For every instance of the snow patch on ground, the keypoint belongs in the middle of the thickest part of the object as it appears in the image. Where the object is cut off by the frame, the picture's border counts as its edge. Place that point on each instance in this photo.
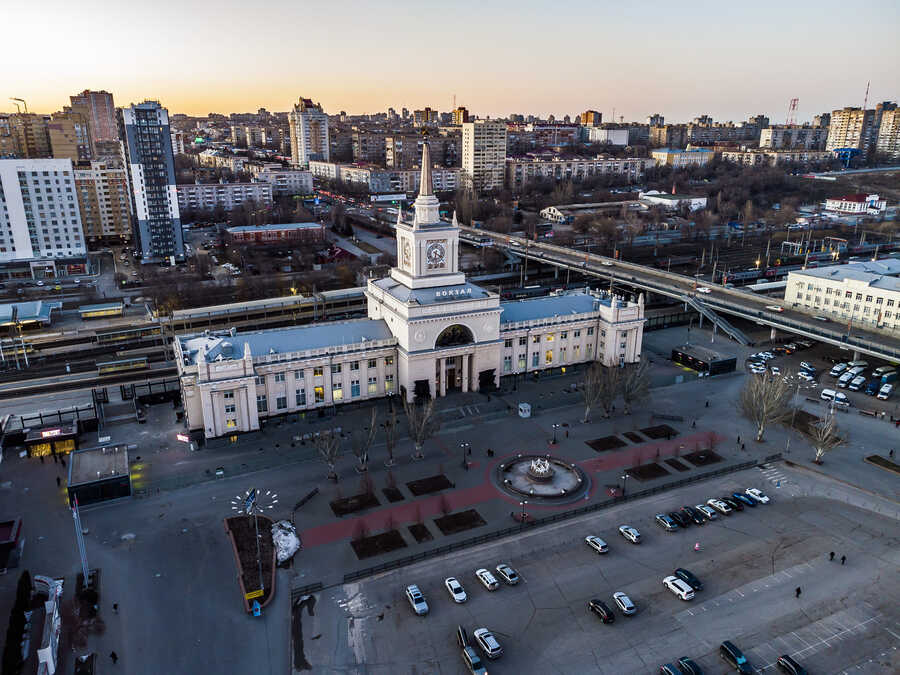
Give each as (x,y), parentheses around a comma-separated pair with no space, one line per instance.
(285,540)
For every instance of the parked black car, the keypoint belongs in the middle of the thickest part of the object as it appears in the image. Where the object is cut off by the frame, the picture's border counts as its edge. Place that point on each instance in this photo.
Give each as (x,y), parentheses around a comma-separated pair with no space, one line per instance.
(689,666)
(689,578)
(733,503)
(787,665)
(599,608)
(743,499)
(679,518)
(696,517)
(735,658)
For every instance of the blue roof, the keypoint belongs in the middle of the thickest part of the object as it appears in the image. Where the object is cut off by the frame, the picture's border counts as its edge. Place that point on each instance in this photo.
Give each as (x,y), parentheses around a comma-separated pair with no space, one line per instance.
(274,227)
(33,310)
(549,307)
(430,296)
(225,346)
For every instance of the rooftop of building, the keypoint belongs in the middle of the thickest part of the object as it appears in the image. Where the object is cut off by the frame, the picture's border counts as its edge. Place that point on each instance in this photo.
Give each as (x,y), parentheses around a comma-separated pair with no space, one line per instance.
(230,345)
(858,197)
(431,296)
(668,197)
(274,227)
(882,274)
(88,466)
(702,353)
(554,306)
(32,310)
(680,151)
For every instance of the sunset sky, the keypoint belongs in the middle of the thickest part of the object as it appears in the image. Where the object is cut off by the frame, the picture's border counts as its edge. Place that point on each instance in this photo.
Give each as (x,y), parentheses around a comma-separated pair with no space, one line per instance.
(681,59)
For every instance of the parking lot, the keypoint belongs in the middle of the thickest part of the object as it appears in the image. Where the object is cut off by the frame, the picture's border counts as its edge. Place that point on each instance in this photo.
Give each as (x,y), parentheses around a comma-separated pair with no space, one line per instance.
(846,619)
(822,358)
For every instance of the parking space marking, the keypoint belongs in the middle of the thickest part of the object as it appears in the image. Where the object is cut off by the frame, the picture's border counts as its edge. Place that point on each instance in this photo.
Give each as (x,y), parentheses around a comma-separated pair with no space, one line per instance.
(819,641)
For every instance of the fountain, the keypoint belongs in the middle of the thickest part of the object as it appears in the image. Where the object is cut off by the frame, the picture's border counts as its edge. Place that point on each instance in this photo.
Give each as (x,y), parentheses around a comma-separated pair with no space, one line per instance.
(542,478)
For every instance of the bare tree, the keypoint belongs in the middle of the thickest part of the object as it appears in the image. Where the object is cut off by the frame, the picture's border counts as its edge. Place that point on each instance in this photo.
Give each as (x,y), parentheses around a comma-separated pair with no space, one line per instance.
(600,387)
(635,385)
(422,424)
(362,441)
(825,437)
(765,399)
(328,444)
(390,436)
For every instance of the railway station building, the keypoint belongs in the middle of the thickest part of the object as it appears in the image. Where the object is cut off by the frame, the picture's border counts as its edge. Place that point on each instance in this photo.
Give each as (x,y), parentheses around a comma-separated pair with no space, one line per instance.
(429,332)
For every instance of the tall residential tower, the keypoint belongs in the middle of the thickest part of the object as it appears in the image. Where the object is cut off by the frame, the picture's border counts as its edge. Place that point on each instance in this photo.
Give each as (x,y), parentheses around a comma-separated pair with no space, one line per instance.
(309,133)
(151,171)
(484,153)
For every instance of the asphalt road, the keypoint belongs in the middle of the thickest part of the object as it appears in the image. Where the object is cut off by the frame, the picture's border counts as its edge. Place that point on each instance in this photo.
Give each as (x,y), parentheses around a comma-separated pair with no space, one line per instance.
(750,564)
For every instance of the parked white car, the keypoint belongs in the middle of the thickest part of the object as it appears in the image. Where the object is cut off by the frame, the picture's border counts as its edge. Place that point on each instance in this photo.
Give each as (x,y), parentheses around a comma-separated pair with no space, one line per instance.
(630,534)
(720,506)
(416,600)
(596,543)
(455,589)
(708,510)
(488,580)
(679,588)
(757,495)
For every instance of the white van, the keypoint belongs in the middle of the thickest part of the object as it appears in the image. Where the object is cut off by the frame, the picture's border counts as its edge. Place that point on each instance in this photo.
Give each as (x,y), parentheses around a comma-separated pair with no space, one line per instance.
(838,397)
(857,383)
(837,369)
(885,392)
(845,379)
(858,364)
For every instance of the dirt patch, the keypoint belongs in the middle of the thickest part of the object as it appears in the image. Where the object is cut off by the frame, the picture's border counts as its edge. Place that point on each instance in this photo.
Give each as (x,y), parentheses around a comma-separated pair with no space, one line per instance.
(804,422)
(459,522)
(606,443)
(425,486)
(347,505)
(647,472)
(377,544)
(393,494)
(703,457)
(883,462)
(243,533)
(677,465)
(660,431)
(420,533)
(634,437)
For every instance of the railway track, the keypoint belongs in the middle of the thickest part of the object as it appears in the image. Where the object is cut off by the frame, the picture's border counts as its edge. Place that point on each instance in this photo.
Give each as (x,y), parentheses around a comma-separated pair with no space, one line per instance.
(36,387)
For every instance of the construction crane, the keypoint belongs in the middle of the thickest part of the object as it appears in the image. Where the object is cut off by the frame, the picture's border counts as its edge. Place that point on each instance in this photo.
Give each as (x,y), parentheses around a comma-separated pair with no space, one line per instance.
(22,100)
(792,113)
(866,99)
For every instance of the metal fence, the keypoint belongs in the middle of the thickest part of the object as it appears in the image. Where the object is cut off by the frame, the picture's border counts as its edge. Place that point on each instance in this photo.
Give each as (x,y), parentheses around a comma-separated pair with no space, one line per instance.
(556,517)
(300,591)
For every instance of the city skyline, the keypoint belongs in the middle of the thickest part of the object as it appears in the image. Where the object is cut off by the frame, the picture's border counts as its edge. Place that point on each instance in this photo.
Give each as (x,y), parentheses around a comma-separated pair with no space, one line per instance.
(641,61)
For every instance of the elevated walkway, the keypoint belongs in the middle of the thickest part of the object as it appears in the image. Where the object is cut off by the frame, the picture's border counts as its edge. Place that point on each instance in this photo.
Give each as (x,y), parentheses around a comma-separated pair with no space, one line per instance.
(730,330)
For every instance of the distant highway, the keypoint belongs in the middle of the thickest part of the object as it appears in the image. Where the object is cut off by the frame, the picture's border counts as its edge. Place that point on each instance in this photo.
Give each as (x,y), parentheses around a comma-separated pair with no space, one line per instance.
(719,299)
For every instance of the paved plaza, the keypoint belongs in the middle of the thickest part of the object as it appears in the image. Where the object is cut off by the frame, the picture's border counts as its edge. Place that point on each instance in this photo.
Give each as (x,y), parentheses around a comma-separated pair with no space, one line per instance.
(166,562)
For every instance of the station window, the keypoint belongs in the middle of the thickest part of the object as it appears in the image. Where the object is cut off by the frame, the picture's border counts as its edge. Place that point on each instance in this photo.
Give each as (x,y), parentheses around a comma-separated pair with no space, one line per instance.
(281,403)
(389,383)
(301,397)
(262,403)
(317,371)
(279,377)
(319,394)
(373,385)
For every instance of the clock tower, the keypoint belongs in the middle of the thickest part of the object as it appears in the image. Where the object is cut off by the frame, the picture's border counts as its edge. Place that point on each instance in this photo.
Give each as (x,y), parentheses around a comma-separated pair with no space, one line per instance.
(427,248)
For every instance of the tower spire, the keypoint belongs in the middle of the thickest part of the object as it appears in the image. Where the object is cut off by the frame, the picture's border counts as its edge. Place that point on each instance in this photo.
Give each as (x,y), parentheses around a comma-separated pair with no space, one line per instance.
(425,188)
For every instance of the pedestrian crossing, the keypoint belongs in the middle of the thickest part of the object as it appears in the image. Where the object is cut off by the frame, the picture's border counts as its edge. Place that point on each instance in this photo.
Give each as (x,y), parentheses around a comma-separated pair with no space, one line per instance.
(775,475)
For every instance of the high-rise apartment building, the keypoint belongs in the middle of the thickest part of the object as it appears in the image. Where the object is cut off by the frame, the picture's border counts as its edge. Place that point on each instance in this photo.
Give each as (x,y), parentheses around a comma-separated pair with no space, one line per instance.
(888,144)
(70,136)
(309,133)
(151,173)
(590,118)
(460,116)
(39,215)
(8,144)
(31,134)
(656,120)
(104,202)
(484,153)
(783,136)
(100,113)
(425,117)
(851,128)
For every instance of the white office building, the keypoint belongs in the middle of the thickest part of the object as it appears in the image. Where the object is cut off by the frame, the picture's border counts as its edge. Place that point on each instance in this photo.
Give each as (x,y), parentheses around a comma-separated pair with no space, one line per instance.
(39,214)
(429,332)
(865,294)
(227,195)
(287,181)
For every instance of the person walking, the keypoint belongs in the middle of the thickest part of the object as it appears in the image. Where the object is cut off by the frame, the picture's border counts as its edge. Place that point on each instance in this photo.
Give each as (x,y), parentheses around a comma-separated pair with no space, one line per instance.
(42,458)
(739,440)
(797,592)
(831,556)
(58,481)
(707,404)
(114,657)
(890,454)
(843,559)
(115,608)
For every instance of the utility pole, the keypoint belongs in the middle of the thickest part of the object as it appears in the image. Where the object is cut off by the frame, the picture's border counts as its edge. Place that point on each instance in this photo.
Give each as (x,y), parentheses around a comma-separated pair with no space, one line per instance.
(79,537)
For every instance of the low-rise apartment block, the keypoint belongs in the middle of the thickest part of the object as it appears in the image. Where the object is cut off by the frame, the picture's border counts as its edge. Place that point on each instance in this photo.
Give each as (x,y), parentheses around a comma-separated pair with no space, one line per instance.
(225,195)
(287,182)
(682,158)
(776,157)
(520,172)
(791,137)
(277,233)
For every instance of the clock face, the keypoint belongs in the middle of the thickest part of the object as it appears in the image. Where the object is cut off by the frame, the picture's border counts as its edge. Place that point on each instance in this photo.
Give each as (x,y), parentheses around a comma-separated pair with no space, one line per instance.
(435,254)
(406,259)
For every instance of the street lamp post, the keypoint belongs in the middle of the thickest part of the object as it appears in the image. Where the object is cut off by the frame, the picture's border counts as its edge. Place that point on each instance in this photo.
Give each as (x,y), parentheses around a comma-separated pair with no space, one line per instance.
(625,478)
(555,427)
(465,451)
(524,515)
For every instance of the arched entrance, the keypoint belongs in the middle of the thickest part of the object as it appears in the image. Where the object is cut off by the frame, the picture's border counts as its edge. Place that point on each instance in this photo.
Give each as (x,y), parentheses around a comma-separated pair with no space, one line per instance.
(453,336)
